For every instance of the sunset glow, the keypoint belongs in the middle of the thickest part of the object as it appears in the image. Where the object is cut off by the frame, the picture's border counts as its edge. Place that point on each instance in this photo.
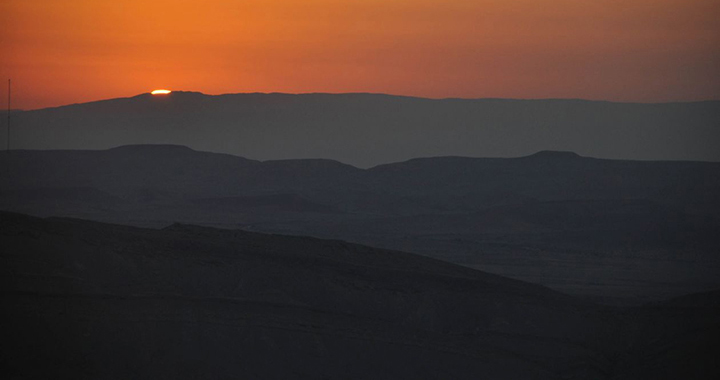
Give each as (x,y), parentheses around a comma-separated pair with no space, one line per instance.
(65,51)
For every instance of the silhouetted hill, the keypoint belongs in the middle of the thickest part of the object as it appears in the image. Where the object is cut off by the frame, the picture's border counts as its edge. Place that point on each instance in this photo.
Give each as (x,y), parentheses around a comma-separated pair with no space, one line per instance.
(553,155)
(453,182)
(85,299)
(371,129)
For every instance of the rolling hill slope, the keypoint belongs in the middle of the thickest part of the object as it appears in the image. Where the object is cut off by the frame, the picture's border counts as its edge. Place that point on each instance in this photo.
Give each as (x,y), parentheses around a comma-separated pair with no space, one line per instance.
(85,299)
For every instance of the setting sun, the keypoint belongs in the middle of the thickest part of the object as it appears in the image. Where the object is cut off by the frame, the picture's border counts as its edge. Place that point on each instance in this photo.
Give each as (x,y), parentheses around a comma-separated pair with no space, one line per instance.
(637,51)
(161,92)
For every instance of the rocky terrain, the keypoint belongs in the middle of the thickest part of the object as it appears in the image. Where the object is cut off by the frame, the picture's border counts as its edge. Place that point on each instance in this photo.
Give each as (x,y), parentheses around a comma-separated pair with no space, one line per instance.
(93,300)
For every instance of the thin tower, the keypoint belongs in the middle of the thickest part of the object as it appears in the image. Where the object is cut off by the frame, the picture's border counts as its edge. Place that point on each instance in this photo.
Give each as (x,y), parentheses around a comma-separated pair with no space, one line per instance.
(8,114)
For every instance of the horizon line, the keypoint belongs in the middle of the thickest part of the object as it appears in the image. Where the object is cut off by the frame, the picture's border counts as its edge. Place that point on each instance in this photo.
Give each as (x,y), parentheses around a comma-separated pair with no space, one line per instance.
(369,93)
(567,154)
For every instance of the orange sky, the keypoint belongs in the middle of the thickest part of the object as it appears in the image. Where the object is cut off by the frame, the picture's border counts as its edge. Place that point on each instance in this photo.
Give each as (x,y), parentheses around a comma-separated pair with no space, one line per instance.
(66,51)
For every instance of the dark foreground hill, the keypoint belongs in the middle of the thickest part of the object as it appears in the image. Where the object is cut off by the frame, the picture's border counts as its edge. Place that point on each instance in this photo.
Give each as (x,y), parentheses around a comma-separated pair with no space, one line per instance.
(372,129)
(89,300)
(587,226)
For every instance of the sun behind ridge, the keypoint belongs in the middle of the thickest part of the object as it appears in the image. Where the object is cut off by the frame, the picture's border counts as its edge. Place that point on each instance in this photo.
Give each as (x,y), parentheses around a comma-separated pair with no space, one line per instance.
(161,92)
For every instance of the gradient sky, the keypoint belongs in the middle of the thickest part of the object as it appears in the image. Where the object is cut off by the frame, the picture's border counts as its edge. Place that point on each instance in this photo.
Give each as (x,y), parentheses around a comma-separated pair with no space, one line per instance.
(66,51)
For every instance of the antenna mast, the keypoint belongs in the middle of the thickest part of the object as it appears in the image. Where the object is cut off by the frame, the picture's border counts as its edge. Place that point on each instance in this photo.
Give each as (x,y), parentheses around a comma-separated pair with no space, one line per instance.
(8,114)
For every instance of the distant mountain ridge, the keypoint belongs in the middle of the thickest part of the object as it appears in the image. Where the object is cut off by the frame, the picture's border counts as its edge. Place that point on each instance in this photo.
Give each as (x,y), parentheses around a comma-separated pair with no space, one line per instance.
(371,129)
(606,220)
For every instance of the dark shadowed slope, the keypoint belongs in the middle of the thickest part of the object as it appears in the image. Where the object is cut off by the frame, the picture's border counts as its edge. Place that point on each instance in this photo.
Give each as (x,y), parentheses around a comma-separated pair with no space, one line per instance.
(89,300)
(368,129)
(95,300)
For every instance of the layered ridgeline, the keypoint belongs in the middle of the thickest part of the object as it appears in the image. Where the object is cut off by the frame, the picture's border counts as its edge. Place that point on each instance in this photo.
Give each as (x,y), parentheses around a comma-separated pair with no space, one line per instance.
(367,129)
(586,226)
(89,300)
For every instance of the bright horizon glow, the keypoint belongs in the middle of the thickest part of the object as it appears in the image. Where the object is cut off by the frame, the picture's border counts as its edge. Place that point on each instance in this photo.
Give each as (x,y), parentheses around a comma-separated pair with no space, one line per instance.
(161,92)
(72,51)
